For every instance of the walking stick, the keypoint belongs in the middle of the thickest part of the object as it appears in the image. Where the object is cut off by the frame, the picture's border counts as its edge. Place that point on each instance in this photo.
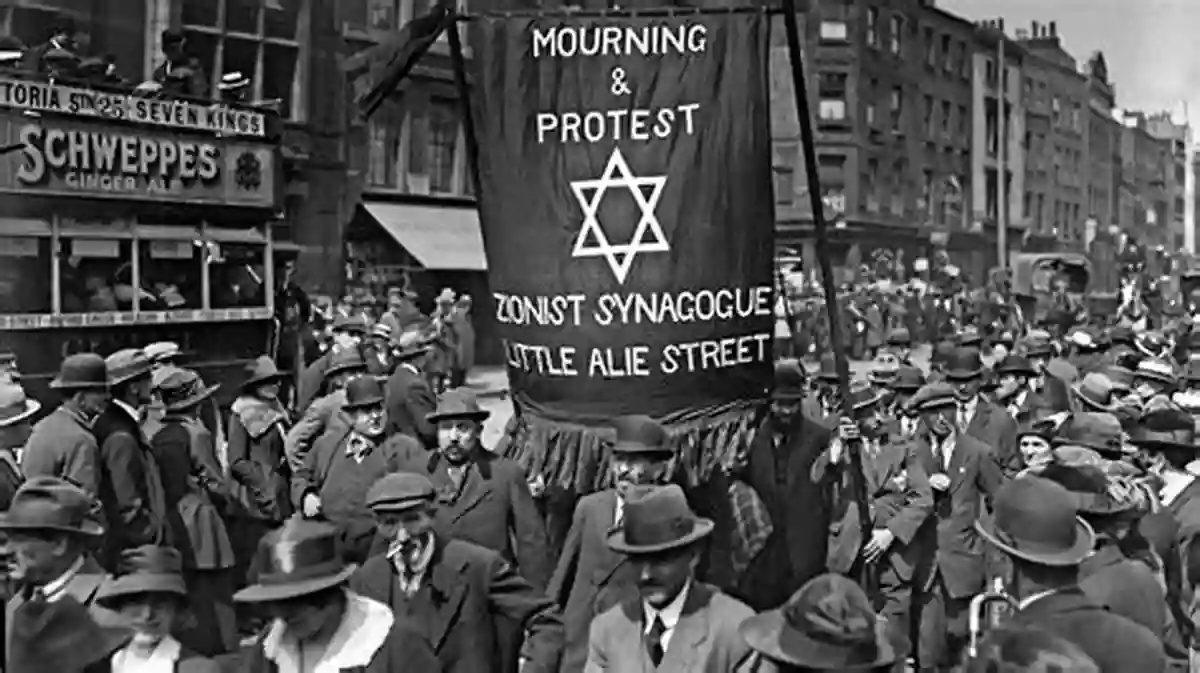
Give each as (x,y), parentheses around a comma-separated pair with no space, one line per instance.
(800,87)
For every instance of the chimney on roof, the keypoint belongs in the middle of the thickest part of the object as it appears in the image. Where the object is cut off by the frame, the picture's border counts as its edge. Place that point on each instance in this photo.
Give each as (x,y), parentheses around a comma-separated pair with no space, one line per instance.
(1000,24)
(1036,29)
(1053,29)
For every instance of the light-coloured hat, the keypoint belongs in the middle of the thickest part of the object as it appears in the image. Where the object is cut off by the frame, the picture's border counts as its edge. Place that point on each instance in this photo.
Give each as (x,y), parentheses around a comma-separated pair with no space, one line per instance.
(161,351)
(15,406)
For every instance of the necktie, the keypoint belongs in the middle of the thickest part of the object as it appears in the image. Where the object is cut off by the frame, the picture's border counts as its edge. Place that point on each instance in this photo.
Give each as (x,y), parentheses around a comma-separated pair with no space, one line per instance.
(654,644)
(939,455)
(963,420)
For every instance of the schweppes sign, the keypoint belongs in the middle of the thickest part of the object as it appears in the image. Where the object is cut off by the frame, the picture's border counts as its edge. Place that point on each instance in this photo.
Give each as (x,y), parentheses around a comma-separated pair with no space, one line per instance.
(112,162)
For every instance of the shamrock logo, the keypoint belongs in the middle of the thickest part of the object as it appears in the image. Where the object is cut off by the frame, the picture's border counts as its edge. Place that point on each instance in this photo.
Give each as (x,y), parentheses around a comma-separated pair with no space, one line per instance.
(248,174)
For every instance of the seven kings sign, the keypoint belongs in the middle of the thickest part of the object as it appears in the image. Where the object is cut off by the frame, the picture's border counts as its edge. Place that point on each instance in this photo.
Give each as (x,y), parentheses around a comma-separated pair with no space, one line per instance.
(625,195)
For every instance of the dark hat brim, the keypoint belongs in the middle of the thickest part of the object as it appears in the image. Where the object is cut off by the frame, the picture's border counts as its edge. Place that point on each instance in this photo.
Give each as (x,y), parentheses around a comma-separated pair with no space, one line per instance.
(264,379)
(1077,392)
(59,384)
(437,417)
(334,370)
(271,593)
(135,584)
(87,528)
(1161,445)
(963,374)
(702,529)
(193,399)
(372,401)
(768,633)
(1085,540)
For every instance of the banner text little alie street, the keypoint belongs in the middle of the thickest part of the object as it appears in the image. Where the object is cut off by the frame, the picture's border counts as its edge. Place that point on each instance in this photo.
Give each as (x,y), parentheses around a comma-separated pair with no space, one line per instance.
(658,310)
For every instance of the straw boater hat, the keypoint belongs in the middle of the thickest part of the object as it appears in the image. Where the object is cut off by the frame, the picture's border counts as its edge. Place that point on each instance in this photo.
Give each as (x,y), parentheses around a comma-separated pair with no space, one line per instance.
(82,371)
(127,364)
(1035,520)
(458,403)
(148,569)
(51,504)
(261,372)
(657,519)
(300,559)
(184,389)
(161,352)
(15,406)
(827,625)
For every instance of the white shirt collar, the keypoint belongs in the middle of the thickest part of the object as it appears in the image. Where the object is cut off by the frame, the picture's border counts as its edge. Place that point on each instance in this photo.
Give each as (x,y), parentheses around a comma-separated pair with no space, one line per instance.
(55,589)
(133,413)
(161,658)
(363,631)
(670,613)
(969,407)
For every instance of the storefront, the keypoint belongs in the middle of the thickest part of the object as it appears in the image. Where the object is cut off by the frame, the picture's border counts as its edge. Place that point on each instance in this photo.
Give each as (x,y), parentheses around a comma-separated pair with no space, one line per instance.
(126,220)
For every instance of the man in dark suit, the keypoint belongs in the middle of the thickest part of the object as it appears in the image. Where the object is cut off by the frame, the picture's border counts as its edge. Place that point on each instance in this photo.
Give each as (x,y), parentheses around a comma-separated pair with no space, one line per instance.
(458,591)
(590,577)
(951,568)
(131,490)
(976,416)
(410,400)
(482,497)
(1035,525)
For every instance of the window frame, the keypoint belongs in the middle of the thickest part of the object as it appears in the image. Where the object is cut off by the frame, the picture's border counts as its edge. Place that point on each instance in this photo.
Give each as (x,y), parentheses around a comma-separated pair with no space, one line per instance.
(299,108)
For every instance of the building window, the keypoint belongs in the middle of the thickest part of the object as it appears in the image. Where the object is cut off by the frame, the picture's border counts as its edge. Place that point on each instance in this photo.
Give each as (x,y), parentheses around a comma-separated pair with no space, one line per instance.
(946,112)
(897,35)
(963,118)
(927,115)
(783,186)
(832,110)
(947,55)
(832,91)
(834,31)
(442,128)
(261,39)
(379,163)
(930,43)
(897,107)
(870,115)
(873,26)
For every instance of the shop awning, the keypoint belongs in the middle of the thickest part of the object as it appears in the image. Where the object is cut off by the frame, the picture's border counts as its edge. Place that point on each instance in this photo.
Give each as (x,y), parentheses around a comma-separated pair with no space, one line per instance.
(440,238)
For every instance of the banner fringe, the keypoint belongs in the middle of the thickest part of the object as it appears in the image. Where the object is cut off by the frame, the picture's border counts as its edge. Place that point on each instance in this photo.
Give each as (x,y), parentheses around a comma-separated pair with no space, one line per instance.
(575,457)
(648,12)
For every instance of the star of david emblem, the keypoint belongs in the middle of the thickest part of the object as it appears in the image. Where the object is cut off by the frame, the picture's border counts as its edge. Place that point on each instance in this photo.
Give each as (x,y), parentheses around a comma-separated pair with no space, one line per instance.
(620,256)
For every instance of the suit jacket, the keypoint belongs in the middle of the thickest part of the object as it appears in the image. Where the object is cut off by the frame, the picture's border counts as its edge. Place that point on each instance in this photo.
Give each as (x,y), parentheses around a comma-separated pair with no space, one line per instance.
(705,640)
(409,402)
(948,539)
(1124,586)
(63,445)
(82,587)
(898,495)
(993,426)
(469,587)
(494,508)
(590,578)
(317,417)
(131,489)
(311,380)
(1115,643)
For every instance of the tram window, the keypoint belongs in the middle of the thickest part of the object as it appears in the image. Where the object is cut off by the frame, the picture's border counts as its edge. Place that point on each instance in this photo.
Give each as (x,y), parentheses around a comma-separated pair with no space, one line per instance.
(170,274)
(236,275)
(24,274)
(97,275)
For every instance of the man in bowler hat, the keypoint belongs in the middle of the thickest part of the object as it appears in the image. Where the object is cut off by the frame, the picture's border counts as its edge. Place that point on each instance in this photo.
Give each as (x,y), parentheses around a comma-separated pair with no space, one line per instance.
(464,596)
(63,443)
(590,576)
(675,623)
(1035,524)
(977,417)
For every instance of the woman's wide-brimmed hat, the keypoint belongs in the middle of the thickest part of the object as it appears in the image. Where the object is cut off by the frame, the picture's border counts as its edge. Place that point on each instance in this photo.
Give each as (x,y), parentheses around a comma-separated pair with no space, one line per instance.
(458,403)
(300,559)
(657,519)
(827,625)
(1098,431)
(638,434)
(51,504)
(59,636)
(1036,520)
(82,371)
(183,389)
(1095,493)
(148,569)
(263,371)
(15,405)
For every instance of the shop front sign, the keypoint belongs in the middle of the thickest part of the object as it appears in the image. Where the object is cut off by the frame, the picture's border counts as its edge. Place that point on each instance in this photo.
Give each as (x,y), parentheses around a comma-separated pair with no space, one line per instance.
(105,161)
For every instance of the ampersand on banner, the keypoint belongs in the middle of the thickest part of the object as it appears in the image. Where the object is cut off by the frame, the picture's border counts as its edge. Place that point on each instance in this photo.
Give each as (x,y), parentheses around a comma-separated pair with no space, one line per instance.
(619,86)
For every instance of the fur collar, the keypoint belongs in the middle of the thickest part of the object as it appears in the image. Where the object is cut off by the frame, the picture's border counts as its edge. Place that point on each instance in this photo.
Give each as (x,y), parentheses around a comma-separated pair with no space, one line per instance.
(259,416)
(361,635)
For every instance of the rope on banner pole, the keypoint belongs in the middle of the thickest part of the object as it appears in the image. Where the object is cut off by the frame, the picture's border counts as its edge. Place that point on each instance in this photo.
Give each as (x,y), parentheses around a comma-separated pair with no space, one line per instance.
(799,84)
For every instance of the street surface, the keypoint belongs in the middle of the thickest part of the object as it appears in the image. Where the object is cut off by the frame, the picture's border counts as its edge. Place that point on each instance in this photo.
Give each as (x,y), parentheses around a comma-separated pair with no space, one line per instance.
(491,384)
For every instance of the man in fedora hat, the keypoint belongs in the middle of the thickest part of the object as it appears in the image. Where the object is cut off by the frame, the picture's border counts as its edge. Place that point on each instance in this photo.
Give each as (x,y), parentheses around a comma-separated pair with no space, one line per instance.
(828,625)
(951,567)
(63,444)
(976,416)
(482,497)
(467,594)
(342,366)
(776,465)
(16,414)
(60,637)
(348,334)
(1035,524)
(317,622)
(591,577)
(410,398)
(464,340)
(353,453)
(676,623)
(131,490)
(899,500)
(48,531)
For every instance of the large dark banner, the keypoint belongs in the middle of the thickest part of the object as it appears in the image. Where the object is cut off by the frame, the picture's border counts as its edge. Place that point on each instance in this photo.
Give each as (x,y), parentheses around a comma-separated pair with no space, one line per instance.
(627,210)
